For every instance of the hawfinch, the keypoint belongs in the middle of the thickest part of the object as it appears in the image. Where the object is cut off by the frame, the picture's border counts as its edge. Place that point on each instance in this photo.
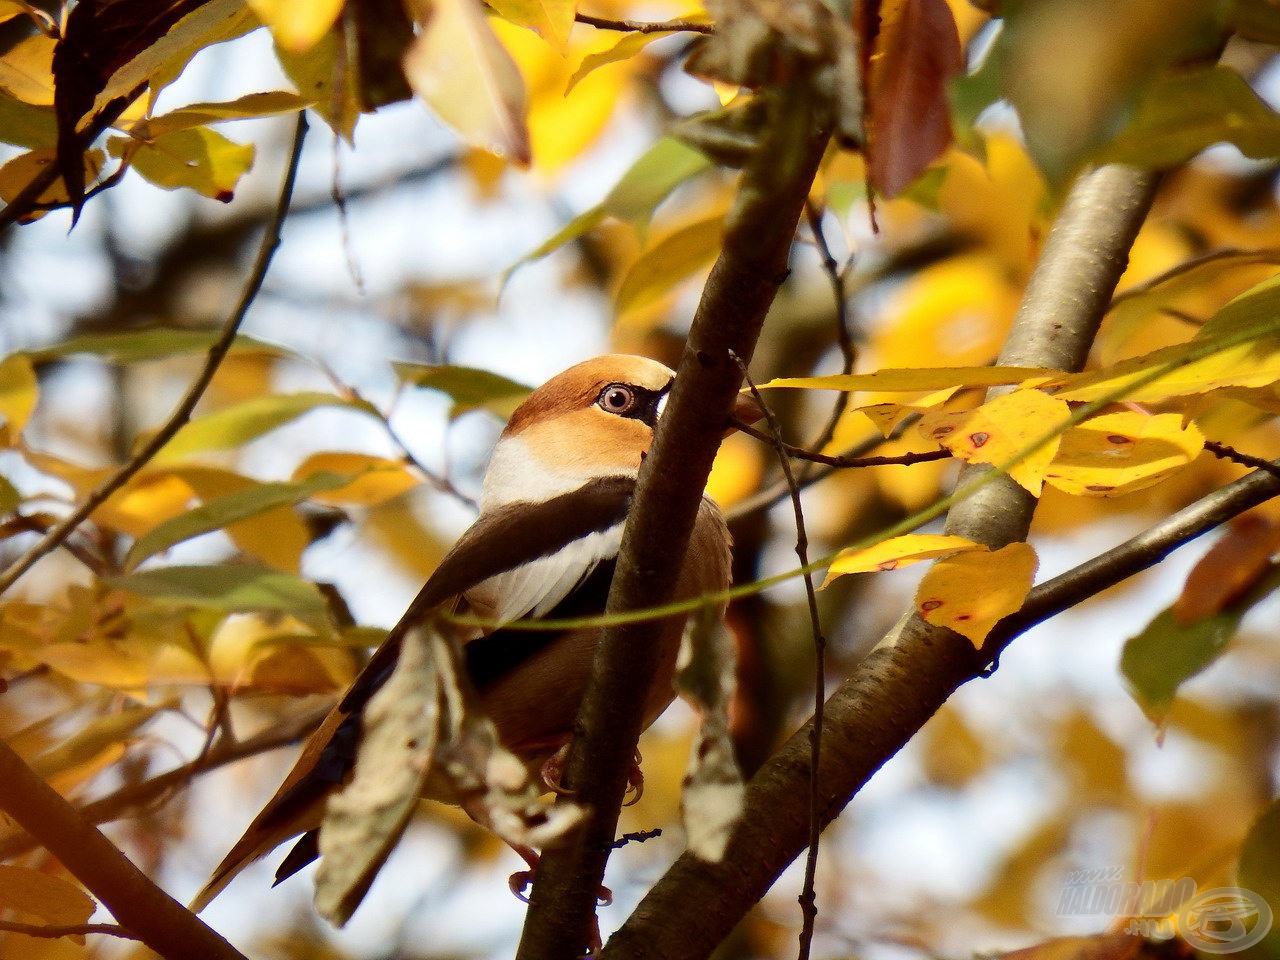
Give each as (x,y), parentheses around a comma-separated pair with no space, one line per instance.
(545,544)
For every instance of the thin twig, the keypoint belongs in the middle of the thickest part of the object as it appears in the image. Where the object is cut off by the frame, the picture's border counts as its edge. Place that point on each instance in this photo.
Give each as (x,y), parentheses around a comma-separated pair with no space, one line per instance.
(778,492)
(836,276)
(808,897)
(643,26)
(270,241)
(1246,257)
(115,806)
(41,523)
(842,460)
(66,930)
(1224,452)
(635,836)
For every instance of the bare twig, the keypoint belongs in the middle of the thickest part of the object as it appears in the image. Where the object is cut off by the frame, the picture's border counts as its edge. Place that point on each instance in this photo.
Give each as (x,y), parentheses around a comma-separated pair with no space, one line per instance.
(636,836)
(842,460)
(1224,452)
(808,896)
(270,241)
(1262,255)
(836,276)
(642,26)
(66,930)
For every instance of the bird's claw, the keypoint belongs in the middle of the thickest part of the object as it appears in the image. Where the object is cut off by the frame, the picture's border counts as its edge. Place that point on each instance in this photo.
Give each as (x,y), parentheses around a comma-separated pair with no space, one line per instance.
(552,772)
(519,882)
(635,782)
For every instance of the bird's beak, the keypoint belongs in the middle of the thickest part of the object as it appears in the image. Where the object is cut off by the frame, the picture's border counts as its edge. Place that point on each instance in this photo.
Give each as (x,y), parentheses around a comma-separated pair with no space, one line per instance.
(746,411)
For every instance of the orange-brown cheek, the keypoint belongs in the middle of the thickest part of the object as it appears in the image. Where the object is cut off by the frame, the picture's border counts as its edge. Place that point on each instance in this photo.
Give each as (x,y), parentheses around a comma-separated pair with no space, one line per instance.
(589,442)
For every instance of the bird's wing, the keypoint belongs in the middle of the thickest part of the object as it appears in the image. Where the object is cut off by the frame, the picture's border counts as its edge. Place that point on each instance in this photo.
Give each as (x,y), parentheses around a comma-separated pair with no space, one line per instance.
(515,546)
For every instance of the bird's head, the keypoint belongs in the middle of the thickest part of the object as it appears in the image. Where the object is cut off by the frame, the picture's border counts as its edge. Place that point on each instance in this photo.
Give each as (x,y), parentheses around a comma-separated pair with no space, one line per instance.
(595,419)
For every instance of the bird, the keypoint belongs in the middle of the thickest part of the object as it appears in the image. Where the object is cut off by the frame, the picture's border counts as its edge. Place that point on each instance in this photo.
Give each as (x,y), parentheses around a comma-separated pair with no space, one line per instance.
(544,545)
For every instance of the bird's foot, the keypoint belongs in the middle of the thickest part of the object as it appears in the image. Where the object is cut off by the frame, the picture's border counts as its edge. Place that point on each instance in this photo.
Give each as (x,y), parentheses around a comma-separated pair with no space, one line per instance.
(635,782)
(552,772)
(521,880)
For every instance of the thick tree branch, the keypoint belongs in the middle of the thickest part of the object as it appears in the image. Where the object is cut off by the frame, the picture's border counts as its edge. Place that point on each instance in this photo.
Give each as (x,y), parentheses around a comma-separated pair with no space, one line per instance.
(900,685)
(217,353)
(141,907)
(742,285)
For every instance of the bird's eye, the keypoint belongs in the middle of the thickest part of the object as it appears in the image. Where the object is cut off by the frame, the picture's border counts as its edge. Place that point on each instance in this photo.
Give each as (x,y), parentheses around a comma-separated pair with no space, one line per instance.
(617,398)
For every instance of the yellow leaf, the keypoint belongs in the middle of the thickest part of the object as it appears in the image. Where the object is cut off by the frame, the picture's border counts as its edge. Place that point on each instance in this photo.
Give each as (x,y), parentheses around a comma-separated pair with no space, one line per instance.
(1255,364)
(624,49)
(263,104)
(297,25)
(211,22)
(276,537)
(673,258)
(199,158)
(464,73)
(886,416)
(144,503)
(735,474)
(550,19)
(560,126)
(19,391)
(378,479)
(1118,453)
(25,167)
(26,70)
(325,76)
(1000,430)
(51,899)
(898,552)
(954,313)
(917,380)
(98,662)
(970,592)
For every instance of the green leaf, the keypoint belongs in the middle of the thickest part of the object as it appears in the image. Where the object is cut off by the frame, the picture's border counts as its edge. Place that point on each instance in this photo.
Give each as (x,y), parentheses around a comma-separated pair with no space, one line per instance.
(25,124)
(649,181)
(669,261)
(200,159)
(1185,112)
(911,380)
(93,738)
(153,344)
(265,104)
(228,589)
(468,388)
(9,496)
(1259,871)
(216,514)
(1166,654)
(235,426)
(1256,306)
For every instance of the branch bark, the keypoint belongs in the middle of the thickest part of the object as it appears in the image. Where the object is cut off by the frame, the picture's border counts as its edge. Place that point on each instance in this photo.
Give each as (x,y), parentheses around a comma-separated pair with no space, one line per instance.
(739,291)
(901,684)
(141,907)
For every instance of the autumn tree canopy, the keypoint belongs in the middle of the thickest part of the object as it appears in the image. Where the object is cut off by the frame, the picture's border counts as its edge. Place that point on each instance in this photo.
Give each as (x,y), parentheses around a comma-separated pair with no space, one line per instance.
(1005,276)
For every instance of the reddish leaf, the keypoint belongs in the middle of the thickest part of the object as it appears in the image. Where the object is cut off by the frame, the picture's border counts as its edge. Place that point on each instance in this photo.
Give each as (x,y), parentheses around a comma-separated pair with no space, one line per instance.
(1230,568)
(100,37)
(917,51)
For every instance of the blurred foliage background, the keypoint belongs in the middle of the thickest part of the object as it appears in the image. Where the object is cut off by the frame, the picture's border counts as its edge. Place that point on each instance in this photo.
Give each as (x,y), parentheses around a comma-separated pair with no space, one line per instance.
(236,582)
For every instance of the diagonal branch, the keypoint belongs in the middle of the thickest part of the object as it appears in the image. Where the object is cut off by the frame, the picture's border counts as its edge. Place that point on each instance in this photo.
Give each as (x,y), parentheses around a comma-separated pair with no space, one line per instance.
(217,353)
(141,907)
(903,682)
(742,285)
